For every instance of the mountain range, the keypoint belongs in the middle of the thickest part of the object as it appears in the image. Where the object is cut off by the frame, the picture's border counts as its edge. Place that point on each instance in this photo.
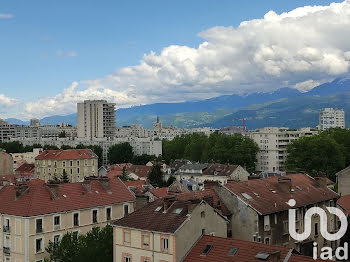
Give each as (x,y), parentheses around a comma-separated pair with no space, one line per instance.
(286,107)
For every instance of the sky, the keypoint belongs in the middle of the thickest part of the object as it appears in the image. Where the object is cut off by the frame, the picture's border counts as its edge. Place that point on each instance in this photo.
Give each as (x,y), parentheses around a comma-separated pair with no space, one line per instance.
(54,54)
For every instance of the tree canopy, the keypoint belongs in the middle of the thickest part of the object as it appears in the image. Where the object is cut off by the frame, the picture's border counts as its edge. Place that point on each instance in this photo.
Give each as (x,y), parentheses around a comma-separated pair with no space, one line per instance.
(96,245)
(156,176)
(120,153)
(217,148)
(317,155)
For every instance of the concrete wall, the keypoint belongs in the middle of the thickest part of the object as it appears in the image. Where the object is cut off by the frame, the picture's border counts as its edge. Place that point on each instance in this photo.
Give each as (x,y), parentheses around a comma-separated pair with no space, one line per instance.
(6,163)
(344,182)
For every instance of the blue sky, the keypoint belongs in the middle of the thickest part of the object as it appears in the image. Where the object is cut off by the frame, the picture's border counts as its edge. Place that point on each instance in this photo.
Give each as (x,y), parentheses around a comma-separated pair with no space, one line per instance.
(48,45)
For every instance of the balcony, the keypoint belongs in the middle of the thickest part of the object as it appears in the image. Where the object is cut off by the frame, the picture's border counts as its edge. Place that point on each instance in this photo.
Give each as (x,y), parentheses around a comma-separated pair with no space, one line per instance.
(7,229)
(7,250)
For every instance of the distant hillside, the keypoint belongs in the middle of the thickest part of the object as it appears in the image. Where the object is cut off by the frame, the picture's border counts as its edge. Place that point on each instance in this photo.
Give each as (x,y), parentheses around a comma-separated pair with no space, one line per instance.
(284,107)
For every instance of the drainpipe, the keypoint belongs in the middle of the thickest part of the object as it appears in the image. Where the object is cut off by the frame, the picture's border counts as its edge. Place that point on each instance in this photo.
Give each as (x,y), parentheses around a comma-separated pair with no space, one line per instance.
(152,246)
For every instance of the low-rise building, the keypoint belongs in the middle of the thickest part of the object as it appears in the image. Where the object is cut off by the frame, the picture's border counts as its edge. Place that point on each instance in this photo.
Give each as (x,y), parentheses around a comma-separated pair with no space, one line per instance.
(343,181)
(260,207)
(6,163)
(76,163)
(34,213)
(165,230)
(28,157)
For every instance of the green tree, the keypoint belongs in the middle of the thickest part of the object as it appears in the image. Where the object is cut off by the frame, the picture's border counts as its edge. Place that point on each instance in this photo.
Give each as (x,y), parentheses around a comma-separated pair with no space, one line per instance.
(156,176)
(65,147)
(143,159)
(50,147)
(342,137)
(62,134)
(171,180)
(96,245)
(120,153)
(64,178)
(316,155)
(124,176)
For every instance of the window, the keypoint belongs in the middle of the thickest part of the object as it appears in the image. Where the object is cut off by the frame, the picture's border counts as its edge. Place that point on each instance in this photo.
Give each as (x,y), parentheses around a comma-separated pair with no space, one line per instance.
(76,219)
(78,170)
(94,216)
(316,229)
(78,163)
(165,244)
(145,240)
(203,231)
(126,210)
(7,225)
(126,237)
(71,163)
(56,222)
(85,162)
(38,245)
(64,163)
(108,213)
(202,214)
(145,259)
(127,259)
(39,225)
(267,241)
(71,171)
(56,238)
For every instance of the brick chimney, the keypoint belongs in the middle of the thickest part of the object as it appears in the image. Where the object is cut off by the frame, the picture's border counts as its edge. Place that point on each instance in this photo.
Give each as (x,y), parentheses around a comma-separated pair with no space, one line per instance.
(86,184)
(168,201)
(275,256)
(321,181)
(21,189)
(209,199)
(285,184)
(53,187)
(104,182)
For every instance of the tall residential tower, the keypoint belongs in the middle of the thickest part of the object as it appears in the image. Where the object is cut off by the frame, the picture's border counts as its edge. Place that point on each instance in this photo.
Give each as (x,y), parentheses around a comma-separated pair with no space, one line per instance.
(330,118)
(96,119)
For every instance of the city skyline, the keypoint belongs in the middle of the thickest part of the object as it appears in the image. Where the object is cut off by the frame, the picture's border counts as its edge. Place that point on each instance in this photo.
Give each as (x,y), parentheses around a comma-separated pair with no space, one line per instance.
(190,61)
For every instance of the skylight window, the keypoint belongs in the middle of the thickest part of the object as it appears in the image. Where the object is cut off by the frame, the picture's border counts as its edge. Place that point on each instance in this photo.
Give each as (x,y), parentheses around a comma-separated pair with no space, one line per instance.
(262,256)
(158,208)
(177,210)
(207,249)
(246,196)
(233,251)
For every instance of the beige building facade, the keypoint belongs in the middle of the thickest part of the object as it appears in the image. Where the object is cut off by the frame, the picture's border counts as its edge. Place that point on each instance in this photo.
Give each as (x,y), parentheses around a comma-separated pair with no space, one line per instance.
(76,163)
(25,234)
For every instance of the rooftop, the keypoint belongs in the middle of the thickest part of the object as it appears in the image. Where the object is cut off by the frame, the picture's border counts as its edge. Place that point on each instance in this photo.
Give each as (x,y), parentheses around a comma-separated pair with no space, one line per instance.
(272,194)
(213,249)
(220,170)
(67,154)
(161,215)
(38,198)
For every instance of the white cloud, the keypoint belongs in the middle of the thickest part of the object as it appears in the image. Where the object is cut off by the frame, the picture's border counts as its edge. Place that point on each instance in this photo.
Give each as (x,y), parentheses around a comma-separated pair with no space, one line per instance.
(60,53)
(301,48)
(7,101)
(6,16)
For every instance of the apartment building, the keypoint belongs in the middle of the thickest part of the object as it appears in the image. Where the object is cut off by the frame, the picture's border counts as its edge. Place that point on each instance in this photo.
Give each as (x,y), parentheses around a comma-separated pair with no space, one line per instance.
(165,230)
(34,213)
(76,163)
(96,119)
(331,118)
(273,142)
(260,207)
(28,157)
(7,131)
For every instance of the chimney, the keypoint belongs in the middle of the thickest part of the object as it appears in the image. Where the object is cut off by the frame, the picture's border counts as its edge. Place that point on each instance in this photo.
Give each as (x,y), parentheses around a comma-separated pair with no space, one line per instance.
(21,189)
(86,184)
(53,188)
(275,256)
(285,184)
(104,182)
(209,199)
(192,204)
(321,181)
(168,201)
(211,184)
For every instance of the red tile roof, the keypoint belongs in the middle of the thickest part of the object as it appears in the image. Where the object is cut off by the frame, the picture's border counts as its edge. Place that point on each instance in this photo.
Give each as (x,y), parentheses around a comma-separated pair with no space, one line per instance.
(220,170)
(217,203)
(344,203)
(25,168)
(114,170)
(67,154)
(71,196)
(160,192)
(139,170)
(153,218)
(246,251)
(137,184)
(267,197)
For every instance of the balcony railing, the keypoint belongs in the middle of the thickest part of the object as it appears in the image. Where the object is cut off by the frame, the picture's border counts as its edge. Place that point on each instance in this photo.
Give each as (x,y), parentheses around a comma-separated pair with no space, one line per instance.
(7,250)
(6,229)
